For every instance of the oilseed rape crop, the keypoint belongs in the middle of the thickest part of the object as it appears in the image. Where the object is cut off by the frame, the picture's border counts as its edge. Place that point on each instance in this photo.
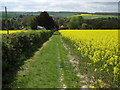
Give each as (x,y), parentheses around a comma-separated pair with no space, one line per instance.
(85,15)
(12,31)
(98,50)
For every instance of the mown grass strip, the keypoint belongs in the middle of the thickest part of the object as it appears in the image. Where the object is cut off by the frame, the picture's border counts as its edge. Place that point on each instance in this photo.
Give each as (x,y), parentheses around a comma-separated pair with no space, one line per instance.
(44,71)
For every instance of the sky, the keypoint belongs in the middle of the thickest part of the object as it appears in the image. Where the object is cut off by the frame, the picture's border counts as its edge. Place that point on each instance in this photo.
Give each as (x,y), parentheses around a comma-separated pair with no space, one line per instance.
(61,5)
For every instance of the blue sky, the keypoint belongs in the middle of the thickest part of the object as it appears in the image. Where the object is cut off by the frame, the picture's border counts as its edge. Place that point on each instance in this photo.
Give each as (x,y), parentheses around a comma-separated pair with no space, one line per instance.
(61,5)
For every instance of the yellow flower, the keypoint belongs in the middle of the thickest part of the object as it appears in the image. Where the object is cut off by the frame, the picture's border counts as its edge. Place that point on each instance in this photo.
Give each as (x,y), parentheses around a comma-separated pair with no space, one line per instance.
(99,80)
(11,31)
(105,65)
(115,70)
(107,70)
(92,86)
(100,83)
(110,63)
(100,46)
(101,86)
(78,48)
(95,70)
(89,63)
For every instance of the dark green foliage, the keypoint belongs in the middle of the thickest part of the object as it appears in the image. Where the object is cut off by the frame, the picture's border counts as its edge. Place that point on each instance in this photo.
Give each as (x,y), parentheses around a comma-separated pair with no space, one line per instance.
(75,22)
(33,24)
(103,23)
(46,21)
(61,21)
(84,26)
(18,47)
(3,26)
(43,20)
(98,23)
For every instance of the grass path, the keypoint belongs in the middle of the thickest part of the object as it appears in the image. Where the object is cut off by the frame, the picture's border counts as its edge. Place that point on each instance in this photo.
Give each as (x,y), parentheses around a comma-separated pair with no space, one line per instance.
(50,67)
(43,69)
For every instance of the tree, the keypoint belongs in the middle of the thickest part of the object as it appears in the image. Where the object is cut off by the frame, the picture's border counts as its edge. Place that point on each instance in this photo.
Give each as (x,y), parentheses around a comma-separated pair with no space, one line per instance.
(9,25)
(61,21)
(46,21)
(33,23)
(75,22)
(43,20)
(3,25)
(84,26)
(27,20)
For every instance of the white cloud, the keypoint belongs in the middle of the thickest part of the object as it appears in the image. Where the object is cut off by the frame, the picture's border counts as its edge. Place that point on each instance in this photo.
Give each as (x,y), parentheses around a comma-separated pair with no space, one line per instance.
(60,5)
(40,0)
(19,8)
(7,1)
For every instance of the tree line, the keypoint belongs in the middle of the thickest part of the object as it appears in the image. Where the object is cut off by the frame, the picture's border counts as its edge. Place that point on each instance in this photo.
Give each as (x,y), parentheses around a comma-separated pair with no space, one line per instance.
(56,23)
(78,22)
(29,22)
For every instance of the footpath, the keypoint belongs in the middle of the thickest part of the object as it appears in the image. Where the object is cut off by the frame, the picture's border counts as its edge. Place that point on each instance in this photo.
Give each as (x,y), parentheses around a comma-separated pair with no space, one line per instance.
(48,68)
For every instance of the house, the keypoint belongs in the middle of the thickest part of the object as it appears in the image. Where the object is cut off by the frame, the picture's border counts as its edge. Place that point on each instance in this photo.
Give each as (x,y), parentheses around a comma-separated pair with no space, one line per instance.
(41,28)
(62,27)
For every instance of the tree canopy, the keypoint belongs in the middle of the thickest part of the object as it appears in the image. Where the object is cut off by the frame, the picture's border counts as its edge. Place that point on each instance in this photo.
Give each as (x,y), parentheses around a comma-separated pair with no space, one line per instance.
(75,22)
(43,20)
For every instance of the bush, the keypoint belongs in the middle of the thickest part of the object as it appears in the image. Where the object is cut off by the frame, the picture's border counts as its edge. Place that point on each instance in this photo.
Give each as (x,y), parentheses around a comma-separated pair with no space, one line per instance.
(18,47)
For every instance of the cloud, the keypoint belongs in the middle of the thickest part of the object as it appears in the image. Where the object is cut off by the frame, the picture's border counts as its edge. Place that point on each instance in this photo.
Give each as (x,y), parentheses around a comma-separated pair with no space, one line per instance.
(61,5)
(106,3)
(10,1)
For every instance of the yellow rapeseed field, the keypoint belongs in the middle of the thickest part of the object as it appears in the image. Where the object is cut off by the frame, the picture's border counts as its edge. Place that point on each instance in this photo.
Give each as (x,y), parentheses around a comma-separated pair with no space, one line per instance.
(85,15)
(101,47)
(11,31)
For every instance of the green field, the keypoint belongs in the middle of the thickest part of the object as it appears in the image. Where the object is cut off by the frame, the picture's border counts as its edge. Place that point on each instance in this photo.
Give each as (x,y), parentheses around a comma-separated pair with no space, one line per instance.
(94,16)
(56,14)
(3,16)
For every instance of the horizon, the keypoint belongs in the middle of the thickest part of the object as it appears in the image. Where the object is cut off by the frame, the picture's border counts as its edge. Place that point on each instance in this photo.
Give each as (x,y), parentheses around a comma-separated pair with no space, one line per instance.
(64,11)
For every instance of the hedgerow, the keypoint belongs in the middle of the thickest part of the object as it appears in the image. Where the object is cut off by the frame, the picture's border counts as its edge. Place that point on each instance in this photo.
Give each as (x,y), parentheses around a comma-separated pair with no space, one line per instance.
(16,48)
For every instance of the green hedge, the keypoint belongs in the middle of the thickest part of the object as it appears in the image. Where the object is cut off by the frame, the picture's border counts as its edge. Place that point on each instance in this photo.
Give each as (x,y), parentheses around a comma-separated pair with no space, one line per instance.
(18,47)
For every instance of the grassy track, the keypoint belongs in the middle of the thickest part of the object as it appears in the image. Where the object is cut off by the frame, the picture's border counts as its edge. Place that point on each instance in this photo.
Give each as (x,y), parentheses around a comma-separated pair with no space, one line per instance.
(43,69)
(48,68)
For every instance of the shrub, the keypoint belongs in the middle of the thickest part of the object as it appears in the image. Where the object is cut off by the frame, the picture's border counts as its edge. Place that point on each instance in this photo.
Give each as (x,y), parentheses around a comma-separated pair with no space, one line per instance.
(18,47)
